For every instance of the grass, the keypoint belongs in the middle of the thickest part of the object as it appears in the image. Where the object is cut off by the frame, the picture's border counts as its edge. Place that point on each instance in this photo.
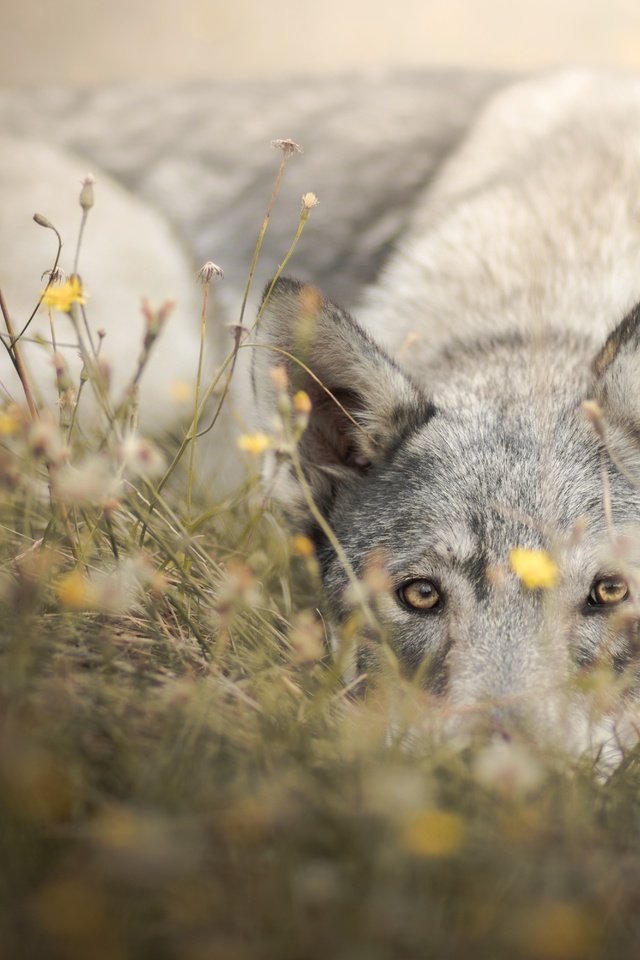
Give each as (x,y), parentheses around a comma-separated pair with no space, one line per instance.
(184,772)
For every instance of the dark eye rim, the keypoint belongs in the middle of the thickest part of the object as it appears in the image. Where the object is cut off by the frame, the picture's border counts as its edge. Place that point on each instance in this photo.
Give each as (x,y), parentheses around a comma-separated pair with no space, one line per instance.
(423,611)
(593,605)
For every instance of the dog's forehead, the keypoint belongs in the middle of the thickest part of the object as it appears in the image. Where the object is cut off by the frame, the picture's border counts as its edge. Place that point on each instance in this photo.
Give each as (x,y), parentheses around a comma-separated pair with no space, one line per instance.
(499,471)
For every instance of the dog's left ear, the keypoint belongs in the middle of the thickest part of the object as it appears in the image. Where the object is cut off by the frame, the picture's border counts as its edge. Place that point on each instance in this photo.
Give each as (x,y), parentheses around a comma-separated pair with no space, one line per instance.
(617,369)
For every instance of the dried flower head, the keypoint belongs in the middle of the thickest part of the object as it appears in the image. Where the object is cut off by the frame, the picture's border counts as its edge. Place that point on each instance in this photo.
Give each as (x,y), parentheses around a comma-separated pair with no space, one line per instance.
(287,146)
(140,457)
(309,201)
(210,271)
(307,637)
(54,276)
(46,441)
(92,482)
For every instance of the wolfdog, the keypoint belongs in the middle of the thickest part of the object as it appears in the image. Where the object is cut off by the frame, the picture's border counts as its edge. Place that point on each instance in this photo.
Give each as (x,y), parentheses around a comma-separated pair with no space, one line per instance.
(486,234)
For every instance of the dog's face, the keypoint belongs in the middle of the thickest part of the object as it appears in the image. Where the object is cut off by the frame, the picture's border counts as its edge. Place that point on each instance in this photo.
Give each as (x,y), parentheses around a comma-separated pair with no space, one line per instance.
(438,485)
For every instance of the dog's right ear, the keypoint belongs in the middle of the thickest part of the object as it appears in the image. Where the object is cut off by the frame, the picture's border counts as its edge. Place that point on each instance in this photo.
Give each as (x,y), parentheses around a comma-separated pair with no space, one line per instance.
(617,390)
(362,403)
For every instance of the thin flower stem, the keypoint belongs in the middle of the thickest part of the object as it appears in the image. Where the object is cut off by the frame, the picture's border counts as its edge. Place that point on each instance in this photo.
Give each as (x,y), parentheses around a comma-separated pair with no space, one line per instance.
(194,428)
(16,354)
(43,222)
(261,234)
(304,216)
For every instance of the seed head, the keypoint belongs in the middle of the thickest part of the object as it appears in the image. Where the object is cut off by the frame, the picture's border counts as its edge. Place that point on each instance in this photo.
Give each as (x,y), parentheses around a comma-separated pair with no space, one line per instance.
(54,276)
(287,146)
(210,271)
(309,200)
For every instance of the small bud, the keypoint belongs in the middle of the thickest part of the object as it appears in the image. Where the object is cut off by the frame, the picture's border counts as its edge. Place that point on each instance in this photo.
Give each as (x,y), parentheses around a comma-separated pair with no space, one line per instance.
(43,222)
(86,194)
(210,271)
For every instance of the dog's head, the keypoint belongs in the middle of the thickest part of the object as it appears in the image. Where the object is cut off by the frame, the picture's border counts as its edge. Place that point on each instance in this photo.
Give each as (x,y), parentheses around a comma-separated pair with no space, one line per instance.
(438,484)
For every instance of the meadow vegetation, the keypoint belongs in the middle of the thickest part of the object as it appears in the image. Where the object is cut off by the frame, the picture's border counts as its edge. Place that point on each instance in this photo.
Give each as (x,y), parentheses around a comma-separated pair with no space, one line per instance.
(184,770)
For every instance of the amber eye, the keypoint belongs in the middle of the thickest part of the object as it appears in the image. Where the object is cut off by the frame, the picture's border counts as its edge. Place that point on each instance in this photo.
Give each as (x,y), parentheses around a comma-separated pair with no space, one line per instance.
(607,591)
(420,595)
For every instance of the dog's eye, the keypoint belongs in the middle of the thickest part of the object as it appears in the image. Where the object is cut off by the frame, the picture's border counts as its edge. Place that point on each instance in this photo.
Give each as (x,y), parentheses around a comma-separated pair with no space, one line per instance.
(607,591)
(419,595)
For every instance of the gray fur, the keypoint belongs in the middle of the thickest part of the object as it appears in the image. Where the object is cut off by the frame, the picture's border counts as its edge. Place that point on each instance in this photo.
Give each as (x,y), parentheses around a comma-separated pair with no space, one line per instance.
(504,307)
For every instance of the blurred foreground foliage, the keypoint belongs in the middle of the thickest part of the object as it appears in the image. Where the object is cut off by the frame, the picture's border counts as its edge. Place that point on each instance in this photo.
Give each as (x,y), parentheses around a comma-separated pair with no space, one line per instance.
(168,795)
(185,773)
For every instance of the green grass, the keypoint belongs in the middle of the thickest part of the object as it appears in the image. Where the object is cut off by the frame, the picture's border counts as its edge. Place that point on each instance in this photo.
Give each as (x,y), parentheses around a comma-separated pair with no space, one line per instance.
(185,774)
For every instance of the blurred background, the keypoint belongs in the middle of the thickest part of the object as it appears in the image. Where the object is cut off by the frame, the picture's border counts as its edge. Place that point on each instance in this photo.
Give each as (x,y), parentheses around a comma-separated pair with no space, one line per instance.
(86,42)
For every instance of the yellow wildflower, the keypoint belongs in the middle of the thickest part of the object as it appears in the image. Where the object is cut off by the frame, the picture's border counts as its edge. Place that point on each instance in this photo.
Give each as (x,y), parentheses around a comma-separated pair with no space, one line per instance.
(302,546)
(561,930)
(61,298)
(181,391)
(535,568)
(9,421)
(255,443)
(301,402)
(433,833)
(74,590)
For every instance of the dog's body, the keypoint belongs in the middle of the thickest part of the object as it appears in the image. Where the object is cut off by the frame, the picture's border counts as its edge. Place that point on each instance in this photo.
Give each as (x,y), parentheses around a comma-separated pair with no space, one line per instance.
(511,261)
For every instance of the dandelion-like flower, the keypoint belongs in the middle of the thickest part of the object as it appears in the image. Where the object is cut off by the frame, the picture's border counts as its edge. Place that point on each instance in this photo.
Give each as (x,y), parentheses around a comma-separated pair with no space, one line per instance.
(10,421)
(73,590)
(63,297)
(302,402)
(433,833)
(302,546)
(181,391)
(535,568)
